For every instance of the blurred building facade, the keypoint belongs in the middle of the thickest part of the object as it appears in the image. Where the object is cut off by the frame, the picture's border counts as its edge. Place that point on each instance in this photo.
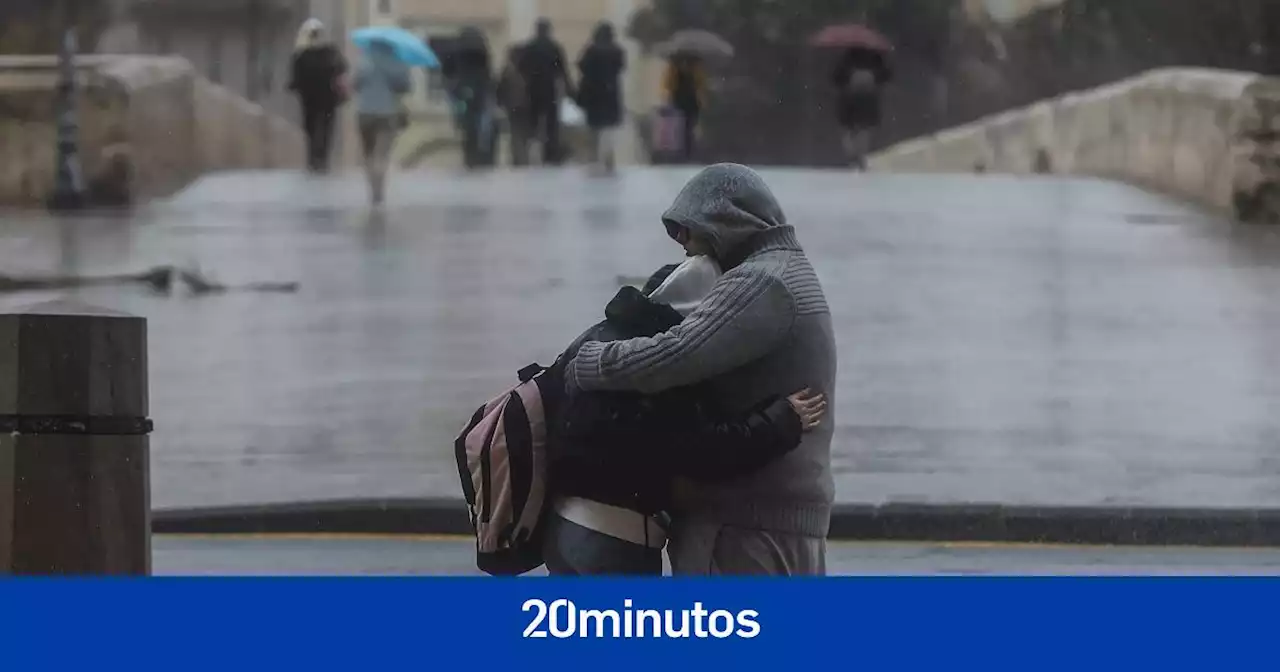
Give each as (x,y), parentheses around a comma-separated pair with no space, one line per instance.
(243,45)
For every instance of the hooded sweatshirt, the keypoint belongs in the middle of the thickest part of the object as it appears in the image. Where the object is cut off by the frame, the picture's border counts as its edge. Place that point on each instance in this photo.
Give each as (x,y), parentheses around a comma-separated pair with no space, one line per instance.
(624,448)
(764,330)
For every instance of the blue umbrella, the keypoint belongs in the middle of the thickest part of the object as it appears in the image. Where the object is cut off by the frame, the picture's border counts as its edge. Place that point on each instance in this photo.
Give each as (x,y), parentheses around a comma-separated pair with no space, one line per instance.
(407,47)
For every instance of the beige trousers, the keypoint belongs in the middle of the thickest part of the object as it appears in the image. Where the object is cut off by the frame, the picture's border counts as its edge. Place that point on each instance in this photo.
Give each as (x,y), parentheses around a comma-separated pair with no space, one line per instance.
(605,141)
(701,548)
(377,136)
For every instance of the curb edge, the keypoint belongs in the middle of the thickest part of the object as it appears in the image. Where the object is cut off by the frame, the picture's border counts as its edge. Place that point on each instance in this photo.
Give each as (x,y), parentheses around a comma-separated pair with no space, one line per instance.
(994,523)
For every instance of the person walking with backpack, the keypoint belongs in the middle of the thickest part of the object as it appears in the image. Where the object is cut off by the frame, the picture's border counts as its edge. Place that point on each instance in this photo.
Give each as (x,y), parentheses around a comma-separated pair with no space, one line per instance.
(859,79)
(380,82)
(600,93)
(764,330)
(615,455)
(317,78)
(685,83)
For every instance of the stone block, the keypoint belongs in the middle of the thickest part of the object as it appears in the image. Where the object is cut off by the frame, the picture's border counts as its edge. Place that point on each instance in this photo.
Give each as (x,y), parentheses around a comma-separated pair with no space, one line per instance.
(1207,135)
(1011,145)
(1256,157)
(148,127)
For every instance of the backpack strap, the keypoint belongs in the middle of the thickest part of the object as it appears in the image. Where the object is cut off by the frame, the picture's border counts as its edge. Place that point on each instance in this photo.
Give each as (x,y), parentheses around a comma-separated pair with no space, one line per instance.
(530,372)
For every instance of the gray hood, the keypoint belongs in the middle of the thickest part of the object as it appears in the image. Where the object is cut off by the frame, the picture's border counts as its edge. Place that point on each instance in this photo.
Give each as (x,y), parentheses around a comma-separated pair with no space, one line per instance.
(727,204)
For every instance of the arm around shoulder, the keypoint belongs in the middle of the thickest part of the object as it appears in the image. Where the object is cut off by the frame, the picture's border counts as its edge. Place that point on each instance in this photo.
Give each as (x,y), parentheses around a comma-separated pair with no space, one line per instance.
(745,316)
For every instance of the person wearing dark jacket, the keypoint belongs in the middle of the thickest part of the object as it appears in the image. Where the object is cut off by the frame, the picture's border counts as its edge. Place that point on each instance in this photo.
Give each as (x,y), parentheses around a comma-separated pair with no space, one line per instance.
(859,78)
(470,73)
(546,80)
(615,454)
(685,83)
(513,98)
(316,76)
(600,92)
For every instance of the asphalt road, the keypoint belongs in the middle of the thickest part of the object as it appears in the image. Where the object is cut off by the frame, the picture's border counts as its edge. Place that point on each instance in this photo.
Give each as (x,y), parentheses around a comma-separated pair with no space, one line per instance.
(1038,341)
(345,556)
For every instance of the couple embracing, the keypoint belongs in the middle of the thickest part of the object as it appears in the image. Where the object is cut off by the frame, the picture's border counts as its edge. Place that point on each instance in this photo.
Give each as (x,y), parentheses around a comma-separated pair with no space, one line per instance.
(699,413)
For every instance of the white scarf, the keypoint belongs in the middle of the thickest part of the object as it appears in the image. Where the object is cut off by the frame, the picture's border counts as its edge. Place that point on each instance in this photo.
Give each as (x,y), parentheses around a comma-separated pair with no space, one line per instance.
(688,284)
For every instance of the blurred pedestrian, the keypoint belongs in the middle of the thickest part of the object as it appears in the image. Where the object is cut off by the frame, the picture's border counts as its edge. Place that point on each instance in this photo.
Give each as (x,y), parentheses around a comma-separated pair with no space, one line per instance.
(470,73)
(859,79)
(380,82)
(318,77)
(685,83)
(513,98)
(547,79)
(600,93)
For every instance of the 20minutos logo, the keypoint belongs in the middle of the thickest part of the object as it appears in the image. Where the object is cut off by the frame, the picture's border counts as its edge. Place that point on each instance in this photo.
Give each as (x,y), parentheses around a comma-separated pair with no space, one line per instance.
(563,619)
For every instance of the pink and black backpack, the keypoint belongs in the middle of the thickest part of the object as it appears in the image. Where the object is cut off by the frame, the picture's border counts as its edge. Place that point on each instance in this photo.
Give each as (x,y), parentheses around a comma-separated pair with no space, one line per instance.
(503,463)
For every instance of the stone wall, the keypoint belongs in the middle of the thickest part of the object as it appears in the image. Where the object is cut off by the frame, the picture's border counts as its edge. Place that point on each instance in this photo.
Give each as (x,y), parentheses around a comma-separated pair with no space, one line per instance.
(156,121)
(244,45)
(148,127)
(1205,135)
(235,133)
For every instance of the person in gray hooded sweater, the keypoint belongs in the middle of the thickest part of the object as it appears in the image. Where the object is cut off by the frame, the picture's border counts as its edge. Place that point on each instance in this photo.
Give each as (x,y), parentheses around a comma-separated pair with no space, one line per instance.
(764,330)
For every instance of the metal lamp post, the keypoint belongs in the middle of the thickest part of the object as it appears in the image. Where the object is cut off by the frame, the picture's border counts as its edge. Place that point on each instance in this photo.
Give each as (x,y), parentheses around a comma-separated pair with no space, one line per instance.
(68,190)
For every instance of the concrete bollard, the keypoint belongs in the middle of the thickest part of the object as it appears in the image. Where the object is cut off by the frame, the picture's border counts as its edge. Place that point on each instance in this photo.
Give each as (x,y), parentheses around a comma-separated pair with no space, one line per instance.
(75,492)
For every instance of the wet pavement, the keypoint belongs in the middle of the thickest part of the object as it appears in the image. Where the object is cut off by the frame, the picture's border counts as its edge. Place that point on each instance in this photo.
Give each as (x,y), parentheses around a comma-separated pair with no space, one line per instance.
(1002,339)
(188,556)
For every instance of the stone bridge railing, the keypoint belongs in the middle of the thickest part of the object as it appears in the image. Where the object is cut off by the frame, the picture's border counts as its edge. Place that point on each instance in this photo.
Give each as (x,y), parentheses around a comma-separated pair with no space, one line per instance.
(1210,136)
(148,127)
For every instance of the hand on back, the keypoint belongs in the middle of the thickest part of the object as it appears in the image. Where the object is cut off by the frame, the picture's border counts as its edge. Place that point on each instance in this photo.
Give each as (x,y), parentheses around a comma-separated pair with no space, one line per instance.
(810,406)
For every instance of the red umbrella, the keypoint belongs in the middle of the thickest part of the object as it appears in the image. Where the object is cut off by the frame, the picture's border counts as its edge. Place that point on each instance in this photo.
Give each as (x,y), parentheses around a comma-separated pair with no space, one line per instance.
(851,36)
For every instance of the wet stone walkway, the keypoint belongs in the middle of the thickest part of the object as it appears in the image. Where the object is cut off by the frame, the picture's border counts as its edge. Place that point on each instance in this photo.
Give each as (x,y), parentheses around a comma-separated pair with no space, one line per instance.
(1014,340)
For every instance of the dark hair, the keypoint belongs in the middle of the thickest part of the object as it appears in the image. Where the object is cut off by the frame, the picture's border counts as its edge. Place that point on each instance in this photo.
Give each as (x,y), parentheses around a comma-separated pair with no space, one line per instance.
(603,33)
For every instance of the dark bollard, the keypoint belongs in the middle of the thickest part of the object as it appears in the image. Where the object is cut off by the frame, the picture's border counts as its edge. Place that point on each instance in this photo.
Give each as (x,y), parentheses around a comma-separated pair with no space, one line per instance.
(68,188)
(75,492)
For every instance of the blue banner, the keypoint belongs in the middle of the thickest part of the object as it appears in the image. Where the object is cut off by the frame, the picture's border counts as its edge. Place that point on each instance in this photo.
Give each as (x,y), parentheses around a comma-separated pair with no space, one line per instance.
(730,624)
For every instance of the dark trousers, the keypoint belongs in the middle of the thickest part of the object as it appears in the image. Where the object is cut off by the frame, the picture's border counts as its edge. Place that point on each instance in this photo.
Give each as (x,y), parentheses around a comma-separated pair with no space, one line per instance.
(477,134)
(317,123)
(573,550)
(544,119)
(518,130)
(690,138)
